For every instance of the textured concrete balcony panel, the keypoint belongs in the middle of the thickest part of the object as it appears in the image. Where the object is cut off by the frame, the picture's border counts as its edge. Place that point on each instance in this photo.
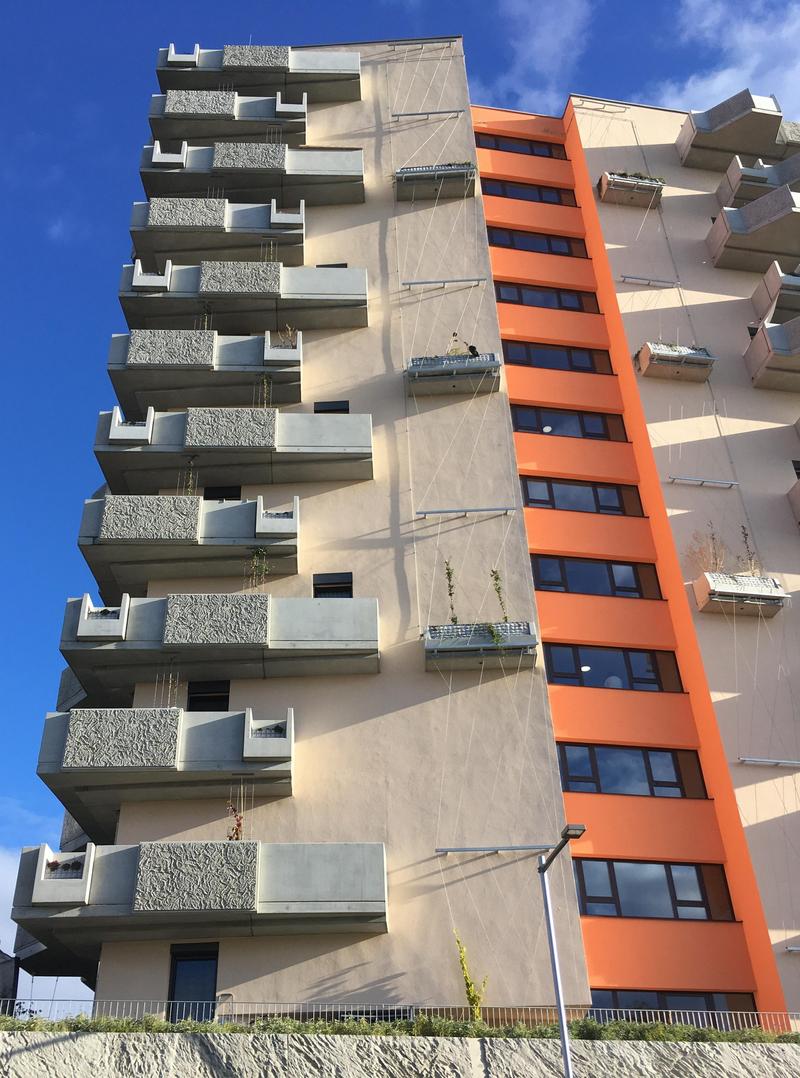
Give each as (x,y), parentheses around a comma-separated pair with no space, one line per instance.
(427,375)
(658,360)
(773,356)
(202,115)
(325,75)
(173,368)
(231,635)
(130,539)
(724,593)
(625,189)
(777,296)
(61,880)
(503,645)
(741,184)
(245,297)
(418,183)
(94,759)
(237,445)
(256,172)
(757,234)
(746,124)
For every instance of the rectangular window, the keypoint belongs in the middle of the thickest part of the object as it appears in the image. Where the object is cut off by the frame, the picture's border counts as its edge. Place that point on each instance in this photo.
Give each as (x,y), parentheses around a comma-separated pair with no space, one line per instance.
(222,494)
(539,242)
(331,407)
(556,358)
(531,147)
(539,296)
(333,585)
(533,419)
(208,696)
(590,576)
(608,999)
(593,667)
(652,889)
(529,192)
(193,982)
(613,769)
(581,497)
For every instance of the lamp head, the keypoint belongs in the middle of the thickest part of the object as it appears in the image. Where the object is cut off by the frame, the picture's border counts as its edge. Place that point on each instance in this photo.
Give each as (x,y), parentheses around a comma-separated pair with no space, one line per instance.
(573,830)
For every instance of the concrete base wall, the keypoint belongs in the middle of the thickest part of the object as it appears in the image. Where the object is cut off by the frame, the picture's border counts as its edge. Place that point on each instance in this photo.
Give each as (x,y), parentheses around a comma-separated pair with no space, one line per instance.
(164,1055)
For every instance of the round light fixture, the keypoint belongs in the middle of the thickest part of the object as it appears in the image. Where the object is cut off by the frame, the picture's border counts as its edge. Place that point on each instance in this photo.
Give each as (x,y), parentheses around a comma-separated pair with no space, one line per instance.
(547,430)
(585,669)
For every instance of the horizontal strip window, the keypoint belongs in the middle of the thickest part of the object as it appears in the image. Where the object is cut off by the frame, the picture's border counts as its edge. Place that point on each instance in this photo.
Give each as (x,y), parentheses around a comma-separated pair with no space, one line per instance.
(529,192)
(551,357)
(634,999)
(560,299)
(531,147)
(540,242)
(589,576)
(612,769)
(581,497)
(676,892)
(592,667)
(529,419)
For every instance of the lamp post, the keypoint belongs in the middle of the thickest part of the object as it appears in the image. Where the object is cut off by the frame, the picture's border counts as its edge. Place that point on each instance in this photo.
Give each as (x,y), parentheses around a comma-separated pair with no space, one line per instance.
(547,854)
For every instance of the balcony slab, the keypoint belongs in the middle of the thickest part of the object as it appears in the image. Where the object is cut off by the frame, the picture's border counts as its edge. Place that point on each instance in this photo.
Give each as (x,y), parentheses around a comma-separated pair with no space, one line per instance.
(658,360)
(507,646)
(773,356)
(224,115)
(745,124)
(725,593)
(758,233)
(742,184)
(420,183)
(777,296)
(431,375)
(625,189)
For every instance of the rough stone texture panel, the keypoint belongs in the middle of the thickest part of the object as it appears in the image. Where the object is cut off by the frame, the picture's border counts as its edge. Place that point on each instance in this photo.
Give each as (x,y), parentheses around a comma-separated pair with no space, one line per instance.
(150,516)
(200,103)
(184,876)
(241,278)
(171,348)
(255,155)
(122,737)
(187,213)
(217,619)
(209,428)
(275,56)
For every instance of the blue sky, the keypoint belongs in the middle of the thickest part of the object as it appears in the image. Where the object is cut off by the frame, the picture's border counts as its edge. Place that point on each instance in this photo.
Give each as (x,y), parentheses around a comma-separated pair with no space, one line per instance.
(77,79)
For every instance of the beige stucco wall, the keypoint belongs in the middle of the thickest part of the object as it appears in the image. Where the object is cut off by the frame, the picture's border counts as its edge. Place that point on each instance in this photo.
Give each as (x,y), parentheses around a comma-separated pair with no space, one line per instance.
(410,758)
(724,429)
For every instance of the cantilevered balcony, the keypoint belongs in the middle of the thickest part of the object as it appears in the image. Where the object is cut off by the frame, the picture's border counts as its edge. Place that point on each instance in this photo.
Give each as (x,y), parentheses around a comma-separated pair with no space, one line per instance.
(191,229)
(427,375)
(758,233)
(745,124)
(418,183)
(93,759)
(231,445)
(224,115)
(244,297)
(658,360)
(773,355)
(504,645)
(216,636)
(741,184)
(173,368)
(255,172)
(197,890)
(131,539)
(630,189)
(725,593)
(323,74)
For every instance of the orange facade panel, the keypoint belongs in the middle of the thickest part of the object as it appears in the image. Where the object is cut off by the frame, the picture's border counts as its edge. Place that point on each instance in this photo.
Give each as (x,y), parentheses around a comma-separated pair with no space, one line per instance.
(530,267)
(557,531)
(575,458)
(546,326)
(622,717)
(645,828)
(605,620)
(548,171)
(654,955)
(517,124)
(563,389)
(533,216)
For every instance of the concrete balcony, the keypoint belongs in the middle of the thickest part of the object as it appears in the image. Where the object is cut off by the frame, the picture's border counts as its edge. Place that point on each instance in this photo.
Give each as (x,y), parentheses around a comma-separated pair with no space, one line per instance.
(219,636)
(757,234)
(724,593)
(659,360)
(165,369)
(503,645)
(323,74)
(428,375)
(418,183)
(130,539)
(202,890)
(773,355)
(225,116)
(630,189)
(232,445)
(741,184)
(93,759)
(746,125)
(244,297)
(192,229)
(256,172)
(777,296)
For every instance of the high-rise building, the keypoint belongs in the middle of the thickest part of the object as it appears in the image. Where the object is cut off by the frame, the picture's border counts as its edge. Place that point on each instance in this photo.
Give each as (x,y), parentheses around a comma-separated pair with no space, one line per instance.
(386,561)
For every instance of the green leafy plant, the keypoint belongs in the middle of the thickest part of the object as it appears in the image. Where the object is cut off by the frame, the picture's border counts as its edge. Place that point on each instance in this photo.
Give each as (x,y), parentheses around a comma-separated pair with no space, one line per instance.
(258,568)
(451,590)
(494,632)
(748,562)
(497,583)
(473,992)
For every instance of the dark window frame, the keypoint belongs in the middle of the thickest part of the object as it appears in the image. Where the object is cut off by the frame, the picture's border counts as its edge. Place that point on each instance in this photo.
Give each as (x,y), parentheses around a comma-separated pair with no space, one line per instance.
(621,489)
(576,247)
(615,591)
(530,147)
(569,778)
(661,1001)
(332,407)
(598,357)
(198,1010)
(213,692)
(332,585)
(229,493)
(584,302)
(610,422)
(565,195)
(614,901)
(581,653)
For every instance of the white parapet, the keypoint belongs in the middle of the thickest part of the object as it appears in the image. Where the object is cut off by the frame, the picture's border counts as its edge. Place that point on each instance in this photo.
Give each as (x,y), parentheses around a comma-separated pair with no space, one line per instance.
(103,622)
(63,879)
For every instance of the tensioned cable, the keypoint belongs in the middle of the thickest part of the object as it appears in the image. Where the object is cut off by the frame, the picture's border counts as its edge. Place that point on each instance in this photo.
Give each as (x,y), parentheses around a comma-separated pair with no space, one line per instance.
(433,574)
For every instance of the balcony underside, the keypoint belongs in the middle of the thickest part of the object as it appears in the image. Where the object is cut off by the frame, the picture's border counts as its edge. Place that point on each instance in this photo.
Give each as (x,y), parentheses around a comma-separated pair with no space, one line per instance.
(243,313)
(429,184)
(155,245)
(194,128)
(773,356)
(755,254)
(256,186)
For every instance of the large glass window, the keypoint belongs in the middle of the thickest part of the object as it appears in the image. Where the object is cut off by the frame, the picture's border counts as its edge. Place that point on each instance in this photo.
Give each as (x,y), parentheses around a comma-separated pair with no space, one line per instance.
(614,769)
(656,889)
(531,147)
(559,421)
(193,982)
(208,695)
(590,576)
(528,192)
(612,668)
(540,296)
(742,1004)
(581,497)
(539,242)
(553,357)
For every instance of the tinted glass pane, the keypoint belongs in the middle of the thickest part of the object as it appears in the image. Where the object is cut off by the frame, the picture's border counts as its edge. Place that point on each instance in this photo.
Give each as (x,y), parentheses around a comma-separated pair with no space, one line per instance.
(596,879)
(622,771)
(662,764)
(507,293)
(642,666)
(637,1001)
(581,786)
(537,297)
(587,577)
(525,419)
(686,883)
(549,194)
(581,359)
(571,300)
(685,1001)
(594,425)
(541,149)
(530,241)
(600,909)
(643,890)
(512,145)
(573,496)
(624,576)
(549,570)
(667,791)
(562,659)
(515,351)
(605,668)
(608,498)
(537,491)
(553,358)
(559,245)
(194,979)
(578,760)
(500,236)
(567,424)
(602,997)
(492,187)
(519,190)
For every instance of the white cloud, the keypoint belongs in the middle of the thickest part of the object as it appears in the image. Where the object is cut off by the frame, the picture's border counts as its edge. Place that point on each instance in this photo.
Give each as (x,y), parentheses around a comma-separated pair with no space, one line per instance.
(754,46)
(543,45)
